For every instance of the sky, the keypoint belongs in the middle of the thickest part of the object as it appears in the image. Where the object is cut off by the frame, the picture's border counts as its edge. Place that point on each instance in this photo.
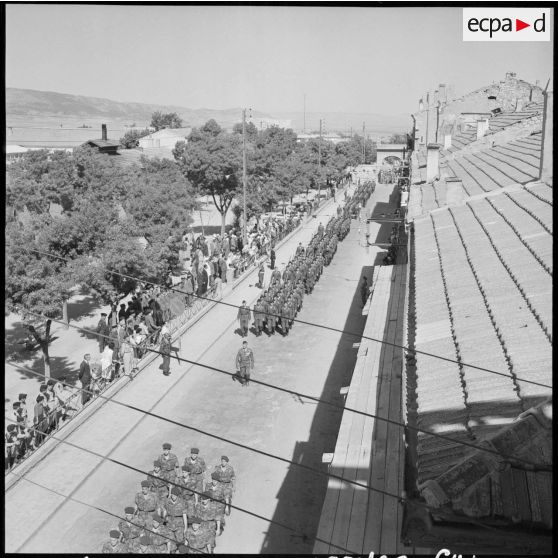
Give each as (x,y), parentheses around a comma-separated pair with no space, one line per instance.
(344,59)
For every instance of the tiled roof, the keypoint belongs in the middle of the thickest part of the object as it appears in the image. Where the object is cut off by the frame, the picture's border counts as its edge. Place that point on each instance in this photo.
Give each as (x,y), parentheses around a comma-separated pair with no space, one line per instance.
(501,166)
(496,124)
(483,288)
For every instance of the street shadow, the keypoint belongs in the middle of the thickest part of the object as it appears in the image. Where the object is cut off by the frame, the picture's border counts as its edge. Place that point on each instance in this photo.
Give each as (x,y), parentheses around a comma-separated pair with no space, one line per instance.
(301,496)
(88,307)
(60,367)
(16,348)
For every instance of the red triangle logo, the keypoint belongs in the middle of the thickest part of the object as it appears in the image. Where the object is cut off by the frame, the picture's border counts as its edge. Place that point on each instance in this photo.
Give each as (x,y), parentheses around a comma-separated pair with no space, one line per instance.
(519,25)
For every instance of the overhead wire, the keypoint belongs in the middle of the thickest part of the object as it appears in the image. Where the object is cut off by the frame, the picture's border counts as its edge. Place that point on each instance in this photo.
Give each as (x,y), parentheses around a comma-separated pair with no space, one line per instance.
(24,477)
(148,474)
(533,466)
(400,499)
(297,320)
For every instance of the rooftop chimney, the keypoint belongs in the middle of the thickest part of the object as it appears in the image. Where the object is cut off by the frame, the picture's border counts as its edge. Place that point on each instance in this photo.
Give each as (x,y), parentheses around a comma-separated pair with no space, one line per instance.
(104,132)
(432,161)
(482,127)
(447,140)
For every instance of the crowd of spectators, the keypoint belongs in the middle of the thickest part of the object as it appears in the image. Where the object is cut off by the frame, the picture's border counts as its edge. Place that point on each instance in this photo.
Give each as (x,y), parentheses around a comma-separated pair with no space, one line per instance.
(131,329)
(54,404)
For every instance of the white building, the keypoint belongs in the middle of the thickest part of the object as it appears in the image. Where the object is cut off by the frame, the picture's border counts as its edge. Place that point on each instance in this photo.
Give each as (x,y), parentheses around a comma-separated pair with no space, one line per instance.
(164,138)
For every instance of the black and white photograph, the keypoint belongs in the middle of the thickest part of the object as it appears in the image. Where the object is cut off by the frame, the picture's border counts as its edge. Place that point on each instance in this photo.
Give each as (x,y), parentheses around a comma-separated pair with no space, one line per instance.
(278,278)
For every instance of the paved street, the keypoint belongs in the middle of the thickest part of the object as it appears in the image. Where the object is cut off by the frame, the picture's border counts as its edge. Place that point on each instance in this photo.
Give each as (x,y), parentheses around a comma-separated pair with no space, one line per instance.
(310,360)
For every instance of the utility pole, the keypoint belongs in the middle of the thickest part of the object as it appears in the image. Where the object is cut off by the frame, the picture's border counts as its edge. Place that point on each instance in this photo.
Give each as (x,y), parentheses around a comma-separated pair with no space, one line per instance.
(304,115)
(320,162)
(244,235)
(363,143)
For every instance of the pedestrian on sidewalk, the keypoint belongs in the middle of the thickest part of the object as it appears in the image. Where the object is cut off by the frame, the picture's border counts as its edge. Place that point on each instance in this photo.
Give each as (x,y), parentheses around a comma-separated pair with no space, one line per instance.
(261,275)
(103,331)
(272,259)
(165,349)
(85,378)
(244,364)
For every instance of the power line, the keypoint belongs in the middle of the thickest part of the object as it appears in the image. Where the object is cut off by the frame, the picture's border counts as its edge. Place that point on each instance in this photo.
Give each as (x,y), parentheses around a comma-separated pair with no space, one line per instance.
(148,474)
(329,328)
(400,499)
(535,466)
(25,478)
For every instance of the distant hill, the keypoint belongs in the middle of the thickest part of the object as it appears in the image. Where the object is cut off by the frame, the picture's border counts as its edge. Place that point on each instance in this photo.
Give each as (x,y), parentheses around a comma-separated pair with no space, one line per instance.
(29,103)
(47,118)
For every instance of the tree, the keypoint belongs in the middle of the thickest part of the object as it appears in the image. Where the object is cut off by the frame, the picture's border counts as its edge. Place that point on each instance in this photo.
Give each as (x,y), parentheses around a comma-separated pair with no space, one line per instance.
(35,283)
(398,138)
(131,138)
(212,162)
(160,120)
(251,131)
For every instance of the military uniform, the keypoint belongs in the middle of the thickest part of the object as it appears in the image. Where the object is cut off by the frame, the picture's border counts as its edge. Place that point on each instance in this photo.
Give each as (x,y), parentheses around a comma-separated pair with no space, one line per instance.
(244,316)
(226,477)
(208,517)
(174,512)
(197,469)
(168,465)
(258,317)
(146,503)
(131,529)
(162,539)
(118,548)
(199,539)
(219,502)
(244,363)
(187,488)
(158,484)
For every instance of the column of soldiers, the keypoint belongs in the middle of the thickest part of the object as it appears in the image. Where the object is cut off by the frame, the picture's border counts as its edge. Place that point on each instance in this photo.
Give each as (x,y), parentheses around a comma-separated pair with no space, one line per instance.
(177,511)
(281,302)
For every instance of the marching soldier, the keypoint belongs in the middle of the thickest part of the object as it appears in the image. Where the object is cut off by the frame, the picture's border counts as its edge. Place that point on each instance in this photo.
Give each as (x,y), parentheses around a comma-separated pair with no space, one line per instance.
(158,483)
(216,491)
(276,277)
(265,309)
(175,513)
(197,467)
(244,363)
(259,314)
(131,528)
(161,537)
(146,501)
(197,539)
(227,478)
(187,487)
(168,461)
(206,512)
(114,546)
(272,317)
(243,317)
(143,546)
(285,319)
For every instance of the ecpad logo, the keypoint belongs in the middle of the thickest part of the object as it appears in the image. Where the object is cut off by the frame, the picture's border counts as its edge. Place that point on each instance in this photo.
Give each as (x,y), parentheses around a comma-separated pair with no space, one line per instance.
(506,24)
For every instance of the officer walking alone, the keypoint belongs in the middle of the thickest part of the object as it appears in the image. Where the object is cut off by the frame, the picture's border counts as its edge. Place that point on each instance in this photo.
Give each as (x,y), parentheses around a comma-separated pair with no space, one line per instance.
(244,363)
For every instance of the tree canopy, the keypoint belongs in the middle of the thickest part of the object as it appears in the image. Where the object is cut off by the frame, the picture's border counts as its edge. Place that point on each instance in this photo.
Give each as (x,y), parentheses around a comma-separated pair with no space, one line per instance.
(160,120)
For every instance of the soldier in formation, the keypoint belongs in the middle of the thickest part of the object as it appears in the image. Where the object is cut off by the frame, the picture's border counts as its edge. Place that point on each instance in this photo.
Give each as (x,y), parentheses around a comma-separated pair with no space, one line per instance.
(185,519)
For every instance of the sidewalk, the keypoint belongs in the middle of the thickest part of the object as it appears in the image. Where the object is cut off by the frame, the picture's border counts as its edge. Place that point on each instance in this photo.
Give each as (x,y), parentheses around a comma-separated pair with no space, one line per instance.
(39,519)
(69,344)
